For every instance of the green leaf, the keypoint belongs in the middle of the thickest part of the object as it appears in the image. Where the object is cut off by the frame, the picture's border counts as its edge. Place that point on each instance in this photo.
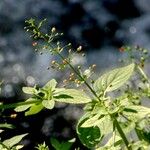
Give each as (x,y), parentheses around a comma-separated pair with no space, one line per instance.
(51,84)
(105,125)
(55,143)
(41,23)
(18,147)
(114,79)
(1,147)
(89,106)
(144,135)
(6,125)
(99,109)
(25,107)
(128,127)
(143,129)
(29,90)
(30,21)
(14,140)
(49,104)
(34,109)
(136,112)
(100,120)
(89,136)
(71,96)
(61,145)
(93,121)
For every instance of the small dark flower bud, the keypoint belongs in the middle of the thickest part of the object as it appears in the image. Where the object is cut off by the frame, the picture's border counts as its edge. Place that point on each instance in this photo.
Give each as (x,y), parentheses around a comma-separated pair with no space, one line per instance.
(72,74)
(121,49)
(53,67)
(34,44)
(65,61)
(142,65)
(92,81)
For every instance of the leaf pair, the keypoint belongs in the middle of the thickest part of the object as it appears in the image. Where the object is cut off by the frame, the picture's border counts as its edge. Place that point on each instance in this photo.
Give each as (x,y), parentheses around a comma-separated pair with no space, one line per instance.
(47,96)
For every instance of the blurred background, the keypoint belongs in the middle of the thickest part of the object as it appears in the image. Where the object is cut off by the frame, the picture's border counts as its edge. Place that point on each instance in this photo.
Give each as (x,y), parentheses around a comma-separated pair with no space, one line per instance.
(100,26)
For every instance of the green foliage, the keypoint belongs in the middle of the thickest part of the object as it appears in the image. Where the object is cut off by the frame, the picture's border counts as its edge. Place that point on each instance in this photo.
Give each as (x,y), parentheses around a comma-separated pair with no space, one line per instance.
(26,106)
(136,113)
(62,145)
(108,117)
(114,79)
(6,125)
(11,144)
(89,136)
(36,108)
(46,97)
(72,96)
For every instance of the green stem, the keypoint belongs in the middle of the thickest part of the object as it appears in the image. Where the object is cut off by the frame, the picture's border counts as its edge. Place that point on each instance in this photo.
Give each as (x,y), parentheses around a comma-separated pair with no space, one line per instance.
(13,105)
(123,136)
(78,74)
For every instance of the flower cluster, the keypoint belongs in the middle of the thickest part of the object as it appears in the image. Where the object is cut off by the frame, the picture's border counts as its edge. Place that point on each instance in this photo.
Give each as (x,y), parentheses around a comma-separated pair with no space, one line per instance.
(50,42)
(136,54)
